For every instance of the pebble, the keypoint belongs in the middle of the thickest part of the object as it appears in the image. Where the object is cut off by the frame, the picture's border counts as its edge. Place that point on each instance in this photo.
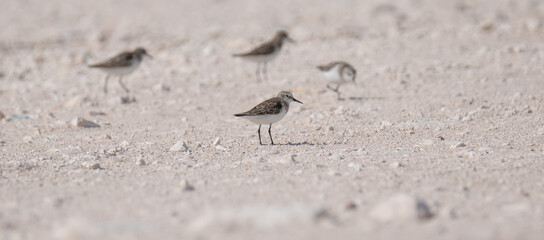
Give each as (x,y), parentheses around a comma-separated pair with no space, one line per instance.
(385,124)
(125,144)
(216,141)
(27,139)
(161,87)
(395,165)
(256,160)
(362,151)
(339,110)
(350,206)
(80,122)
(336,157)
(401,208)
(180,146)
(94,113)
(140,162)
(124,100)
(467,154)
(355,165)
(458,145)
(186,186)
(533,25)
(2,116)
(91,166)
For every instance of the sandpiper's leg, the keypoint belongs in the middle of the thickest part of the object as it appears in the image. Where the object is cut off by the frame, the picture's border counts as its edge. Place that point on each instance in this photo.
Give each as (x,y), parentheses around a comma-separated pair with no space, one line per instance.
(122,84)
(265,73)
(258,72)
(270,134)
(259,132)
(338,93)
(106,83)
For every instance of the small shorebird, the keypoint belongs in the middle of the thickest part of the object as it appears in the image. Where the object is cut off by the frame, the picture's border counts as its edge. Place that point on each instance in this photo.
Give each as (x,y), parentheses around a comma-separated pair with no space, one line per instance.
(266,52)
(269,111)
(120,65)
(338,73)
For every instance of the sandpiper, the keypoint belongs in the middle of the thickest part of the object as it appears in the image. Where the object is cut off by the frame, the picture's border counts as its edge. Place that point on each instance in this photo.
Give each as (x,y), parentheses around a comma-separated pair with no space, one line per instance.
(338,73)
(120,65)
(269,112)
(266,52)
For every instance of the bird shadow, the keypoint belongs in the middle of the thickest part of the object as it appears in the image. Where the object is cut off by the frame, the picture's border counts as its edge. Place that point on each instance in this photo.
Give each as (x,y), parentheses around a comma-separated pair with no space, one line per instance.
(305,143)
(365,98)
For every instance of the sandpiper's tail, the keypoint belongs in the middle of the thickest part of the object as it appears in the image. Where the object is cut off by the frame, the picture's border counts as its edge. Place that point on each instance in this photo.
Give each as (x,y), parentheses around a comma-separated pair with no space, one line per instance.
(238,54)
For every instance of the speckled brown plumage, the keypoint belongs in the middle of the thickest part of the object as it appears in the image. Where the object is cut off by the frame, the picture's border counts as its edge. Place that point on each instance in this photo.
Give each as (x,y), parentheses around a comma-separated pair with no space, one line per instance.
(270,106)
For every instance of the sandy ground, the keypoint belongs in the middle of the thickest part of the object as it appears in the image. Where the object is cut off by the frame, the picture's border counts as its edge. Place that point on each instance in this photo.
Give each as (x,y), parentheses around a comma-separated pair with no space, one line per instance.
(447,115)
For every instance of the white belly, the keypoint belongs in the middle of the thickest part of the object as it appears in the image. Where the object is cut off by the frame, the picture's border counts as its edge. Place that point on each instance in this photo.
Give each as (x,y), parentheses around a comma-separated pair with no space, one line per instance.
(266,119)
(122,70)
(333,76)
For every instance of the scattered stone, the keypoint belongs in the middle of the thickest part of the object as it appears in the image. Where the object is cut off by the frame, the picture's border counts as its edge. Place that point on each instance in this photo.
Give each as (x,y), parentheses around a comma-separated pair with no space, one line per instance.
(336,157)
(385,124)
(339,110)
(395,164)
(107,137)
(487,26)
(91,166)
(216,141)
(186,186)
(17,117)
(140,162)
(458,145)
(256,159)
(467,154)
(125,144)
(350,206)
(323,215)
(161,87)
(401,208)
(126,99)
(27,139)
(355,165)
(180,146)
(362,151)
(93,113)
(2,116)
(533,25)
(80,122)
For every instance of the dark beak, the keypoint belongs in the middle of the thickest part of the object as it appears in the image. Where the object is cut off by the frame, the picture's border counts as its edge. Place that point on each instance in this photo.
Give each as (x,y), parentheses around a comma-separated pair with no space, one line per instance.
(289,39)
(149,56)
(294,99)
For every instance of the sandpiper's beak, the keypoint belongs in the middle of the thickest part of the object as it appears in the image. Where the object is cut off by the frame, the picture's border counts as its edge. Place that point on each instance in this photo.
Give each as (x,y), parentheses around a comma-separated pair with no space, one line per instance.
(294,99)
(289,39)
(149,56)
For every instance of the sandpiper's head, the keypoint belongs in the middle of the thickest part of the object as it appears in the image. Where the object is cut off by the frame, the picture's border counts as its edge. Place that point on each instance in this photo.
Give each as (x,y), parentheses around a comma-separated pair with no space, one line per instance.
(141,52)
(288,97)
(349,73)
(284,36)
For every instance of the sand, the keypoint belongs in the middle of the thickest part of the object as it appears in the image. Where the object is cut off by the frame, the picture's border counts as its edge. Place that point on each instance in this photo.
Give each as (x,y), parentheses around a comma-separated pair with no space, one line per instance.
(441,137)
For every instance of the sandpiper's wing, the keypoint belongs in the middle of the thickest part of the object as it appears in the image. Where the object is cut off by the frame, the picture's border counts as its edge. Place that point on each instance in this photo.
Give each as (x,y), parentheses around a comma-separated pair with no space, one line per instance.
(263,49)
(123,59)
(270,106)
(329,66)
